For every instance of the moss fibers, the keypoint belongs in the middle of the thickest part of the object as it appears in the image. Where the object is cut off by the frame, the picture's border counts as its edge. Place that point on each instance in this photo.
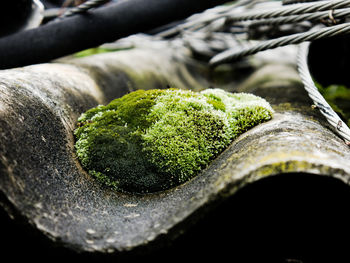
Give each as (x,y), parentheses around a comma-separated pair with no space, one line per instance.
(153,140)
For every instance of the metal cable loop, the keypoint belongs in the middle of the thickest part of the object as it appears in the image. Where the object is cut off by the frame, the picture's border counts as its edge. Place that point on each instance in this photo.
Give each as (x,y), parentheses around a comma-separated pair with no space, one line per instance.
(232,54)
(332,117)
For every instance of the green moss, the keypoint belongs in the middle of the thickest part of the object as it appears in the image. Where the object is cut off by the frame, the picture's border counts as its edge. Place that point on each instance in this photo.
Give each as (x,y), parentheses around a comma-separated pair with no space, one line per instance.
(91,51)
(153,140)
(215,101)
(96,50)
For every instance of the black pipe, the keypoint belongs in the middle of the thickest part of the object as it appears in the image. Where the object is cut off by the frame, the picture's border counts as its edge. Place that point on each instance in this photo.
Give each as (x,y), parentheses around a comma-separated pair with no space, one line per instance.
(102,25)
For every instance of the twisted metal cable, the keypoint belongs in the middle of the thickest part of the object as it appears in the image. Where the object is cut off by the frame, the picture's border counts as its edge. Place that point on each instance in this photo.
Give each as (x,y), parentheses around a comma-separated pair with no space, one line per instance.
(312,12)
(232,54)
(332,117)
(311,17)
(290,10)
(198,21)
(84,7)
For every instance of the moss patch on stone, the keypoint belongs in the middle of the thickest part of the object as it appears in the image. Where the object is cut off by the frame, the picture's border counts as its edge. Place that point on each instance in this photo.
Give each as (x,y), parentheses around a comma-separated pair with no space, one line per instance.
(153,140)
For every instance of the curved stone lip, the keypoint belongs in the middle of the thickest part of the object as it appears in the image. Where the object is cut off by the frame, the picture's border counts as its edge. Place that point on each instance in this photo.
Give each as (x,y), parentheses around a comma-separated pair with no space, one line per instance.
(220,181)
(128,221)
(45,183)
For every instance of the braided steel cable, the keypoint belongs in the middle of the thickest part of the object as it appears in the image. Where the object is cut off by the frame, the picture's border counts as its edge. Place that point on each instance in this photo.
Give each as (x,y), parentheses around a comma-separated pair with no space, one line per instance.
(84,7)
(311,17)
(313,12)
(198,21)
(332,117)
(195,22)
(290,10)
(232,54)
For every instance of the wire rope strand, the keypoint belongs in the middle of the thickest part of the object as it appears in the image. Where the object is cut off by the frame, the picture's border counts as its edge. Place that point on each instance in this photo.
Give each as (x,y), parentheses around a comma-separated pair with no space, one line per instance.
(332,117)
(311,17)
(210,15)
(84,7)
(290,10)
(232,54)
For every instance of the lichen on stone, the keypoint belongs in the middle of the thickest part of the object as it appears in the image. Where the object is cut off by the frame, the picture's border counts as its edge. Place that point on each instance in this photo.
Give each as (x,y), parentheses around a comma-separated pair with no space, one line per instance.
(148,141)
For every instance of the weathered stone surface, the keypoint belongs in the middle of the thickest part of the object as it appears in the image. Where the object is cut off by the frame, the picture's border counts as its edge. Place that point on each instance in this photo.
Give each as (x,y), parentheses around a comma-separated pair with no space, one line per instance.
(42,180)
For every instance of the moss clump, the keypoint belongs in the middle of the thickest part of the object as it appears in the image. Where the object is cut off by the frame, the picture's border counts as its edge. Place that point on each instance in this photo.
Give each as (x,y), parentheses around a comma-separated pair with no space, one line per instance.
(153,140)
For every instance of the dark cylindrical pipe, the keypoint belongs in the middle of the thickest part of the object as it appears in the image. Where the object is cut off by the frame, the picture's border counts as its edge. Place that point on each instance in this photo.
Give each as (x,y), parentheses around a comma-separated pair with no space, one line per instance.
(93,28)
